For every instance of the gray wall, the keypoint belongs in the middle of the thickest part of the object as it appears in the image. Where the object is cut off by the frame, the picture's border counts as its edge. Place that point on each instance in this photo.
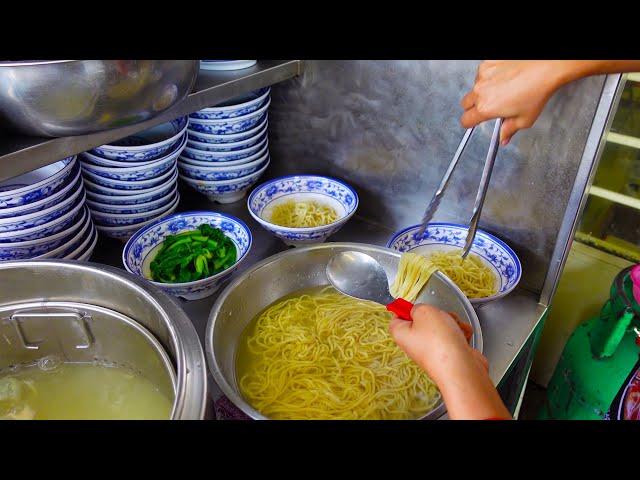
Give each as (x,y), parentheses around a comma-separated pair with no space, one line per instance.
(390,128)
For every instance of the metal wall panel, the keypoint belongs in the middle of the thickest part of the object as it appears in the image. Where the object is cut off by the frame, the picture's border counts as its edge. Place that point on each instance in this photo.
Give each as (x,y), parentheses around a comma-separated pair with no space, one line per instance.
(390,128)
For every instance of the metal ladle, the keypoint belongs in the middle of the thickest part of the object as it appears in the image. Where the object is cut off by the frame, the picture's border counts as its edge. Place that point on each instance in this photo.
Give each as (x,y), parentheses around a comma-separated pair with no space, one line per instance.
(359,275)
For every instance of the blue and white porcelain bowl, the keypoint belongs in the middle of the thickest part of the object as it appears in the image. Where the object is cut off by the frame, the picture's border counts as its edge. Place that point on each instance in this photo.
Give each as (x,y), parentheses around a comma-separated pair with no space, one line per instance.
(126,185)
(225,191)
(71,243)
(47,202)
(141,248)
(132,208)
(112,196)
(123,232)
(35,185)
(450,236)
(84,251)
(137,172)
(226,64)
(334,193)
(46,229)
(224,157)
(123,219)
(235,107)
(225,141)
(33,248)
(47,215)
(222,173)
(231,163)
(227,126)
(231,146)
(145,146)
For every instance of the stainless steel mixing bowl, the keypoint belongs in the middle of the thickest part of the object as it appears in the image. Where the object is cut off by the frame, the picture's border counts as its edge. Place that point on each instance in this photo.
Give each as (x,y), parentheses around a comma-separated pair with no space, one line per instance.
(73,97)
(83,312)
(287,272)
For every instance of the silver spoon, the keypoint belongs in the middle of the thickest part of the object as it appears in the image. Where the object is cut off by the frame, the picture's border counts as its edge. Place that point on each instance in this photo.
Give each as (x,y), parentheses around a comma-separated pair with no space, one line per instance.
(359,275)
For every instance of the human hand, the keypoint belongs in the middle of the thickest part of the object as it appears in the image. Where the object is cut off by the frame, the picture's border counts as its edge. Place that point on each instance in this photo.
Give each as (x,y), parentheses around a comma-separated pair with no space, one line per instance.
(516,90)
(435,341)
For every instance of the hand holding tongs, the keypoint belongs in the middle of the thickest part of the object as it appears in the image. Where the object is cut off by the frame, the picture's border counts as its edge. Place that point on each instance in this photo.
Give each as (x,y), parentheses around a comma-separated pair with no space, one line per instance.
(482,188)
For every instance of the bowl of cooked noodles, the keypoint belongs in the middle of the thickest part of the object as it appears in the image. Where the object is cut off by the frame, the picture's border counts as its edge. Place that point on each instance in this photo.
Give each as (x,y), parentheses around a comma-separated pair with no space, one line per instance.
(302,209)
(490,271)
(297,349)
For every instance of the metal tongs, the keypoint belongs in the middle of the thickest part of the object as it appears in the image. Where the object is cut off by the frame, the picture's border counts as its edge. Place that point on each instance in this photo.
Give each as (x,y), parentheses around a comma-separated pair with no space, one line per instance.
(482,188)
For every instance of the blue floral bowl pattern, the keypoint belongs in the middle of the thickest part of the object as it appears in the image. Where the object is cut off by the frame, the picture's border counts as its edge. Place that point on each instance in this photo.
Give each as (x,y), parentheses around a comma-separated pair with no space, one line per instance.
(235,107)
(72,243)
(138,172)
(148,145)
(125,185)
(141,207)
(330,191)
(449,236)
(46,202)
(223,157)
(136,258)
(228,138)
(42,217)
(123,219)
(230,125)
(226,164)
(225,191)
(83,254)
(111,196)
(35,185)
(46,229)
(123,232)
(33,248)
(222,173)
(198,140)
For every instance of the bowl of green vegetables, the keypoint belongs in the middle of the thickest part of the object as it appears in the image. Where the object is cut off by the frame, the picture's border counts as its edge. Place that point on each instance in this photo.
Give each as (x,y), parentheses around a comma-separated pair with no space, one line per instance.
(189,254)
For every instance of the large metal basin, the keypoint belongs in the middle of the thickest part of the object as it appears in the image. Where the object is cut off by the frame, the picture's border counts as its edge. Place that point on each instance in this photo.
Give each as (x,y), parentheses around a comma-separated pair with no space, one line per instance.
(80,312)
(74,97)
(288,272)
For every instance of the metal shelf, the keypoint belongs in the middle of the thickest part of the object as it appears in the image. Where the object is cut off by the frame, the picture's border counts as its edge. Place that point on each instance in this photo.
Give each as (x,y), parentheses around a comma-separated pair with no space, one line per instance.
(626,140)
(21,154)
(634,77)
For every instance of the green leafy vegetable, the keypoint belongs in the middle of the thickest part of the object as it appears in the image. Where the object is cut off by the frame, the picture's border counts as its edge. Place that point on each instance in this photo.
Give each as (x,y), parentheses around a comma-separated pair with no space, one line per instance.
(193,255)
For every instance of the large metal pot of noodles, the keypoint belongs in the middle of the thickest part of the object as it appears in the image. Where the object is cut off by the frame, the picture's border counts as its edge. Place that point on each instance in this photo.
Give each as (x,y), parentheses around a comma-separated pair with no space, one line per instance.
(75,323)
(284,274)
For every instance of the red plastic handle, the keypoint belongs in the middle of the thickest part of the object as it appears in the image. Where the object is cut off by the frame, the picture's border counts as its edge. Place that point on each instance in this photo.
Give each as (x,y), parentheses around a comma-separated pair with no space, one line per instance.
(401,308)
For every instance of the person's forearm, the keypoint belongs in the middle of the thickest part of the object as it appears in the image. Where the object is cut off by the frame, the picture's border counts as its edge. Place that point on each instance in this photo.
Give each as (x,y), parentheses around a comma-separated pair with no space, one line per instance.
(469,393)
(571,70)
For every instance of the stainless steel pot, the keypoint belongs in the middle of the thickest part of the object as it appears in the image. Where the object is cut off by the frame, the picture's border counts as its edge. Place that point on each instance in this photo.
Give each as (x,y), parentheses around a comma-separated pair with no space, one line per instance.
(83,312)
(75,97)
(288,272)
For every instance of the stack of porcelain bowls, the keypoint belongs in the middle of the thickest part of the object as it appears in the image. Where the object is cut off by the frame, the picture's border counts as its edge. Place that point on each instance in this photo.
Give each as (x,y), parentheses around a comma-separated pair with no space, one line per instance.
(133,182)
(227,148)
(43,215)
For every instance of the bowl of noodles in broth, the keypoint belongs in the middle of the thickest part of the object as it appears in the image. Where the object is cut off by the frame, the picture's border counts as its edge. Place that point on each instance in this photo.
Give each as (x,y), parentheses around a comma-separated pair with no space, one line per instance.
(490,271)
(295,348)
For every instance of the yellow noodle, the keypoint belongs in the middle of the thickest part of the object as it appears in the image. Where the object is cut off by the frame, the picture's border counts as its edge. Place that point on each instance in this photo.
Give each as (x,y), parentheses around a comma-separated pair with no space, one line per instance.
(323,355)
(473,277)
(302,214)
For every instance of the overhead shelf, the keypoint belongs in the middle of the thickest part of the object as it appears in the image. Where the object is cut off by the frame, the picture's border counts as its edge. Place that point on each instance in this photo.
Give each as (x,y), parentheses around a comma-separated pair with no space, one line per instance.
(615,197)
(629,141)
(634,77)
(21,154)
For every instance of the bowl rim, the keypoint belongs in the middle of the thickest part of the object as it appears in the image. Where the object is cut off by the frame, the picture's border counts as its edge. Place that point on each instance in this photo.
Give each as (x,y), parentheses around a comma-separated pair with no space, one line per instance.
(164,176)
(224,166)
(202,281)
(233,181)
(216,370)
(118,206)
(231,169)
(492,237)
(238,105)
(230,153)
(252,133)
(275,226)
(61,234)
(84,245)
(149,146)
(133,166)
(214,121)
(136,226)
(129,216)
(34,186)
(264,150)
(78,237)
(145,191)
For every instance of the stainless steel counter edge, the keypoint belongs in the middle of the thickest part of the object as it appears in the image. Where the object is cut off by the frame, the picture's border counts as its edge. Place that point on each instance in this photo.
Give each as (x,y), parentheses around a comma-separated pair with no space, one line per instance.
(506,323)
(21,154)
